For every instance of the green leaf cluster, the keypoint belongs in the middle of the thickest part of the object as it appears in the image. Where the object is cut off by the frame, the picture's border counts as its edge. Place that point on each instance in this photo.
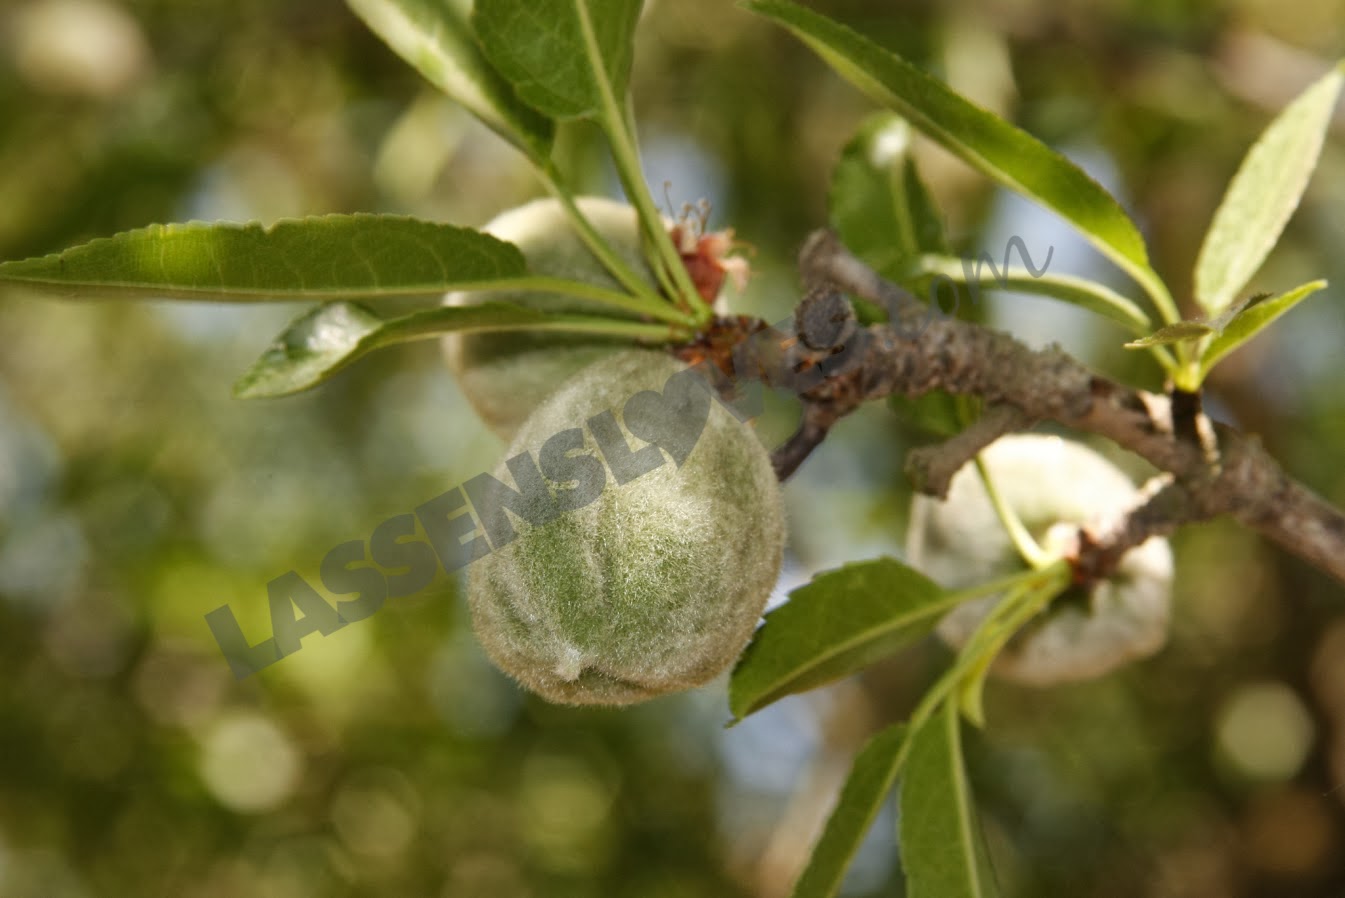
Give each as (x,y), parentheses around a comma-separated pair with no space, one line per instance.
(845,620)
(527,67)
(1260,199)
(848,618)
(519,67)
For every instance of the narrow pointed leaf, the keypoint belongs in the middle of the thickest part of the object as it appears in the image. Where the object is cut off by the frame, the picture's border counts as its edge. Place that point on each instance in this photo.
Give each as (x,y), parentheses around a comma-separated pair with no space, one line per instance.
(324,257)
(1181,332)
(565,58)
(1003,152)
(1077,291)
(942,850)
(879,206)
(436,41)
(329,337)
(1251,321)
(839,623)
(1263,194)
(872,777)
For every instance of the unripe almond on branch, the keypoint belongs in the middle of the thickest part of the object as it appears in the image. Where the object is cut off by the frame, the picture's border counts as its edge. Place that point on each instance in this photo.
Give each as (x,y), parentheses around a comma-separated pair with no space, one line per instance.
(647,571)
(1054,486)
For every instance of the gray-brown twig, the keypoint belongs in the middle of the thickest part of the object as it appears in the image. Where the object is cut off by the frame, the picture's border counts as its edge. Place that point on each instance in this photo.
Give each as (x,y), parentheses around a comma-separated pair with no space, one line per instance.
(915,352)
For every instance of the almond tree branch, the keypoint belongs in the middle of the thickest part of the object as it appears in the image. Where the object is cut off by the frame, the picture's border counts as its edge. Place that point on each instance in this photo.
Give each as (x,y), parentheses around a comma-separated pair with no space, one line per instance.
(931,468)
(916,352)
(1164,506)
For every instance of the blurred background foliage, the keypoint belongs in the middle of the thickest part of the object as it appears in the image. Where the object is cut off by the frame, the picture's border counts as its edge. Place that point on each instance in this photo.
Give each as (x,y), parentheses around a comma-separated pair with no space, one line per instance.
(389,758)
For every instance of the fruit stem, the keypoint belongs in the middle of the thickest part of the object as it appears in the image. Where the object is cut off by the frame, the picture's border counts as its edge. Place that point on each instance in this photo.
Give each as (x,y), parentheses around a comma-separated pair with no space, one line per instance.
(1027,547)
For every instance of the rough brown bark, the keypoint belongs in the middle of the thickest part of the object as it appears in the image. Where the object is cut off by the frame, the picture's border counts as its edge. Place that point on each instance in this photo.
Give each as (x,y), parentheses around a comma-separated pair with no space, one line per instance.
(1212,470)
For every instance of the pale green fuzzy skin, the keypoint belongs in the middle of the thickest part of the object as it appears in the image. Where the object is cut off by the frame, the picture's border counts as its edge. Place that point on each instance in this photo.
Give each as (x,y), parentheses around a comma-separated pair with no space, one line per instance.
(506,375)
(1047,481)
(657,585)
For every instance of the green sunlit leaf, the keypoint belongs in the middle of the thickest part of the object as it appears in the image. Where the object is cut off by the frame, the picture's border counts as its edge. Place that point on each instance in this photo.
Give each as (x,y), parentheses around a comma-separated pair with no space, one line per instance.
(871,779)
(839,623)
(942,850)
(1181,332)
(434,39)
(981,274)
(325,257)
(562,56)
(879,207)
(329,337)
(1263,195)
(1003,152)
(1251,321)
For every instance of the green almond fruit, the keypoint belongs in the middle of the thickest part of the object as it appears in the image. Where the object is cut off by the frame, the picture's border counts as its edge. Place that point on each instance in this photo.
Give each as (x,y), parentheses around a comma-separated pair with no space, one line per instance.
(1054,486)
(647,576)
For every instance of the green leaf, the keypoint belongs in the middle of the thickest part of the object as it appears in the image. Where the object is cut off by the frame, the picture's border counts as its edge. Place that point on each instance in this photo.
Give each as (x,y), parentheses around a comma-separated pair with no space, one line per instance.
(566,58)
(839,623)
(942,850)
(1181,332)
(879,206)
(871,779)
(326,339)
(1263,194)
(1250,322)
(1023,601)
(1076,291)
(1003,152)
(325,257)
(436,41)
(571,59)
